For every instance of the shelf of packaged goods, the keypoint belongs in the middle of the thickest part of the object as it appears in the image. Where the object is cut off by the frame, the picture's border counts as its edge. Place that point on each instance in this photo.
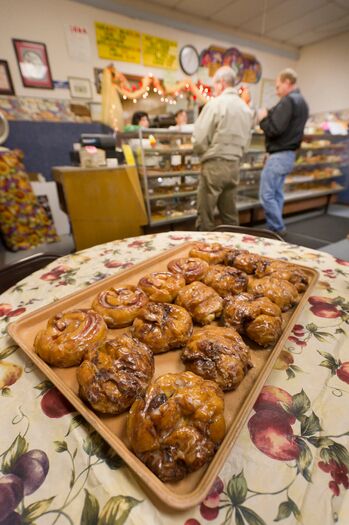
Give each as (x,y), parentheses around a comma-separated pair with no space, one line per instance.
(305,194)
(168,151)
(295,179)
(171,195)
(183,173)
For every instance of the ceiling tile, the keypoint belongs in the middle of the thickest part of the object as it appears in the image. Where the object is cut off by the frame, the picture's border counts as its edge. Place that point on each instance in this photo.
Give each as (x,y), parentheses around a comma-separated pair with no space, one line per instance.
(308,22)
(201,8)
(276,16)
(165,3)
(239,11)
(342,3)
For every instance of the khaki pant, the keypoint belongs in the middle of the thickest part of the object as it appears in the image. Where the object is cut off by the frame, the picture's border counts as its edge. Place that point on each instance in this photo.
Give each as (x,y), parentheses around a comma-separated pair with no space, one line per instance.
(218,187)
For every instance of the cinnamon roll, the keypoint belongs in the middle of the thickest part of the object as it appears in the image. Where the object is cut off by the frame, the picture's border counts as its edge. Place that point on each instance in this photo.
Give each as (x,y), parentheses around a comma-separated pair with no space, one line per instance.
(283,270)
(242,260)
(257,317)
(202,302)
(111,377)
(119,306)
(226,280)
(213,253)
(192,269)
(218,354)
(178,426)
(162,326)
(69,335)
(162,287)
(279,291)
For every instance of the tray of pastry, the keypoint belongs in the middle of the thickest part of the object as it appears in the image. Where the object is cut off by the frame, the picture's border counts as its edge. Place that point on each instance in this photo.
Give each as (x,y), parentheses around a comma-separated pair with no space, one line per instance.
(166,359)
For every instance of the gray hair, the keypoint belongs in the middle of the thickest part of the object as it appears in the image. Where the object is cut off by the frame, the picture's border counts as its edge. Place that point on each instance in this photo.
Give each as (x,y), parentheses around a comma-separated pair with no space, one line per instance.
(227,74)
(288,74)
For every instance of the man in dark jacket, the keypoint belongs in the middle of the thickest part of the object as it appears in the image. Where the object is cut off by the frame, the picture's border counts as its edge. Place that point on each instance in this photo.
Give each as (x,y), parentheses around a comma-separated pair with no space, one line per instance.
(283,126)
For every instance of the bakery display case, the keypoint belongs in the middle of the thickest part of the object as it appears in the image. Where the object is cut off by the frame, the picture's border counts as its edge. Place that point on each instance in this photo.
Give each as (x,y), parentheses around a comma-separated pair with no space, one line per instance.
(318,175)
(169,169)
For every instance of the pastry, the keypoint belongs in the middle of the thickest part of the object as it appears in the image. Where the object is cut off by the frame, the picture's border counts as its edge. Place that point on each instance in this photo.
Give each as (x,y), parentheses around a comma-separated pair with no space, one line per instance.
(119,306)
(218,354)
(202,302)
(242,259)
(69,335)
(279,291)
(226,280)
(283,270)
(178,426)
(162,326)
(191,268)
(111,377)
(162,287)
(257,317)
(212,253)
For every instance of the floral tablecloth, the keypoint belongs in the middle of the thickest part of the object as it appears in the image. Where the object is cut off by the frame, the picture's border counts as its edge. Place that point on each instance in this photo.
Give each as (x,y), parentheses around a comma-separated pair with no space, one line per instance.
(289,464)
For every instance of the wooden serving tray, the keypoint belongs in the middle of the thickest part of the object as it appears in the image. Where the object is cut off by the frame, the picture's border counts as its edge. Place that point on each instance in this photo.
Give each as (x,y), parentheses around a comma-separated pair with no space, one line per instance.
(238,404)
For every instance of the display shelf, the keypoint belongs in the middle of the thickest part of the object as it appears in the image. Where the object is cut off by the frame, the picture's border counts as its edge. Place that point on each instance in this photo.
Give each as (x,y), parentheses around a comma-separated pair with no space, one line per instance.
(295,179)
(174,194)
(304,194)
(183,173)
(168,151)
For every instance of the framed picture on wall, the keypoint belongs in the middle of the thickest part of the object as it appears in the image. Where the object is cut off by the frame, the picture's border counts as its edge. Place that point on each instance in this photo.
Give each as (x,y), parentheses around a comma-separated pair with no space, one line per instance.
(80,87)
(6,85)
(33,64)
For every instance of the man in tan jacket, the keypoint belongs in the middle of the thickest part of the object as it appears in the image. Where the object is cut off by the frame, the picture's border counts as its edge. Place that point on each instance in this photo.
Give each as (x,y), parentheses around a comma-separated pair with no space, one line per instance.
(221,135)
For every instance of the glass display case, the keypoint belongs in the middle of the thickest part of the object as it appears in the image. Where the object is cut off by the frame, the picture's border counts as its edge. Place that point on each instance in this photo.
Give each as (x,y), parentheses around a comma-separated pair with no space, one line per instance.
(169,171)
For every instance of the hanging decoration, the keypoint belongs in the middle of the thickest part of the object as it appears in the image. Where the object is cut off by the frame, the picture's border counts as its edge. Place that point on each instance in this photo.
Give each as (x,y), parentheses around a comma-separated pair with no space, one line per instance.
(167,93)
(247,67)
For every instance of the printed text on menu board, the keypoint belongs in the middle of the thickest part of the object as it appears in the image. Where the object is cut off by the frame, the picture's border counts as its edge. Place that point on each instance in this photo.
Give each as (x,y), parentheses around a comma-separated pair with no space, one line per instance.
(117,43)
(159,52)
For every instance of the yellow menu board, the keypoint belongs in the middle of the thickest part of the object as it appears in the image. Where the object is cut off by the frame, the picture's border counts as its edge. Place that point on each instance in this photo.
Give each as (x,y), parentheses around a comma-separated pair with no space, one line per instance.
(159,52)
(117,43)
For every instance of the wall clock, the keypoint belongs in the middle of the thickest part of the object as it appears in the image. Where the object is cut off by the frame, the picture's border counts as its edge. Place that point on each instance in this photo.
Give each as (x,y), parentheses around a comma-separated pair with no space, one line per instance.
(189,60)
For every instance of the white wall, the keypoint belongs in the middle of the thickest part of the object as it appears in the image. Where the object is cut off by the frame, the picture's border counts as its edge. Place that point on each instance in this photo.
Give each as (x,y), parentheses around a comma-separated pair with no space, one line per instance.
(44,21)
(324,74)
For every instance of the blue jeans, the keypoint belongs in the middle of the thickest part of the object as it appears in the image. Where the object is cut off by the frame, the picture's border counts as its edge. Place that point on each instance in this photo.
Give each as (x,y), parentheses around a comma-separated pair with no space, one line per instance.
(271,195)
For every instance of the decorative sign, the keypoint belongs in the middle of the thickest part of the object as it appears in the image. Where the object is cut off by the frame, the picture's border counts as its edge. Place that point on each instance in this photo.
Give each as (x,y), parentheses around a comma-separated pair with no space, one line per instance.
(78,42)
(248,68)
(117,43)
(159,52)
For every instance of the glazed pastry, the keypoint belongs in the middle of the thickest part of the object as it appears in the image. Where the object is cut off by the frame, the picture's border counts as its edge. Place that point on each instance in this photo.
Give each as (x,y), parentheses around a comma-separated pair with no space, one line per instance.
(202,302)
(111,377)
(192,269)
(212,253)
(162,326)
(279,291)
(242,260)
(68,336)
(162,287)
(257,317)
(178,426)
(283,270)
(218,354)
(226,280)
(119,306)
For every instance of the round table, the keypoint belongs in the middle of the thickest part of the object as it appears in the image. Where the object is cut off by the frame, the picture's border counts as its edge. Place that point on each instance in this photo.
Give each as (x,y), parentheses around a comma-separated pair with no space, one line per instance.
(289,464)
